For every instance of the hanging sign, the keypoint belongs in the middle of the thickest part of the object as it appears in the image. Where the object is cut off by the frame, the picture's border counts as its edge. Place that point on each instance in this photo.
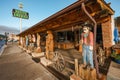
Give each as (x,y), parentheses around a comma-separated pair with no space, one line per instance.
(20,14)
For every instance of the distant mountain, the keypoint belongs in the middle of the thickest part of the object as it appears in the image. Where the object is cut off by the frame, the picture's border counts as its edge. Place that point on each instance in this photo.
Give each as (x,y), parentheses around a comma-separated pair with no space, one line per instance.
(4,29)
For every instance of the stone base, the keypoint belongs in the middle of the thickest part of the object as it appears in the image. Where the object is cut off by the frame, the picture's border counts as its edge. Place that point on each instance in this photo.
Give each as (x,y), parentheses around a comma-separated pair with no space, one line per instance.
(114,71)
(35,55)
(45,61)
(74,77)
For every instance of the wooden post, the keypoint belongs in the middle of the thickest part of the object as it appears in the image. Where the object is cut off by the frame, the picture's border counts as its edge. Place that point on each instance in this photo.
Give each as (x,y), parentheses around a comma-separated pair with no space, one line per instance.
(80,48)
(76,67)
(66,36)
(107,33)
(87,74)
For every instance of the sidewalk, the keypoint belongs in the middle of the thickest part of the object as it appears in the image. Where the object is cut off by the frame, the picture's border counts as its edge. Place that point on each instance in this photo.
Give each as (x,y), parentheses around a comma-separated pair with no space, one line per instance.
(16,64)
(2,46)
(2,49)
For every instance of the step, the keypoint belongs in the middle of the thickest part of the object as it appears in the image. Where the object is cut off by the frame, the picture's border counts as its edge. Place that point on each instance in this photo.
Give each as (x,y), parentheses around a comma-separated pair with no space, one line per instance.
(45,61)
(38,55)
(28,51)
(74,77)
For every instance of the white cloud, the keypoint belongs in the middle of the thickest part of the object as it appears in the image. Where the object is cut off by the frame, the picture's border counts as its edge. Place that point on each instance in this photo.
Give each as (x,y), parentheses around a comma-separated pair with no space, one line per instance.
(4,29)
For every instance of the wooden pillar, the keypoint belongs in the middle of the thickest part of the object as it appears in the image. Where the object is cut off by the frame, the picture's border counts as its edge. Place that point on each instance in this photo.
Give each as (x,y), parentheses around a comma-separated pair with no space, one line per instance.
(107,33)
(49,44)
(80,48)
(66,36)
(79,39)
(76,67)
(76,37)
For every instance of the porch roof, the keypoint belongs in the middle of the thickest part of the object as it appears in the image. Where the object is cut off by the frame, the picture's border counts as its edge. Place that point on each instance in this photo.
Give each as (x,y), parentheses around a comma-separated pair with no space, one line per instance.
(71,16)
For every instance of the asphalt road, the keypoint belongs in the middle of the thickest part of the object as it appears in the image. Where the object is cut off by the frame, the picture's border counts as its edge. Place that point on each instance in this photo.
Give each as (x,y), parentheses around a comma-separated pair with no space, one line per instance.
(16,64)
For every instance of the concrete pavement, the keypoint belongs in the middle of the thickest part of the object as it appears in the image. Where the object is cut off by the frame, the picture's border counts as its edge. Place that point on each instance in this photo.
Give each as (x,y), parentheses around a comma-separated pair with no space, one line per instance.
(16,64)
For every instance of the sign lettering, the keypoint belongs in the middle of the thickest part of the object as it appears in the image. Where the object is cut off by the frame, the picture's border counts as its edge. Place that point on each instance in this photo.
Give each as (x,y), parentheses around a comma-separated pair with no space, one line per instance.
(20,14)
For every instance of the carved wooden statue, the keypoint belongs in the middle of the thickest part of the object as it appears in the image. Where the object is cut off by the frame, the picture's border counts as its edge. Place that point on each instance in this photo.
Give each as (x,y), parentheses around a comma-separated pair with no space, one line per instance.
(87,44)
(27,41)
(23,41)
(49,43)
(33,38)
(38,50)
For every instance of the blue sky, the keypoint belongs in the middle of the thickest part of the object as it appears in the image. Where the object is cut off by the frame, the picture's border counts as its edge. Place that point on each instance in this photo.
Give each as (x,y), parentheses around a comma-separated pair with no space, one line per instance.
(38,10)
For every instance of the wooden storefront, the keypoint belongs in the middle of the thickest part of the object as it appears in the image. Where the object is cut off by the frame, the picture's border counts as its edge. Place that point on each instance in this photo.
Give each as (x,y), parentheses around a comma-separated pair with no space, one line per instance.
(64,27)
(71,18)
